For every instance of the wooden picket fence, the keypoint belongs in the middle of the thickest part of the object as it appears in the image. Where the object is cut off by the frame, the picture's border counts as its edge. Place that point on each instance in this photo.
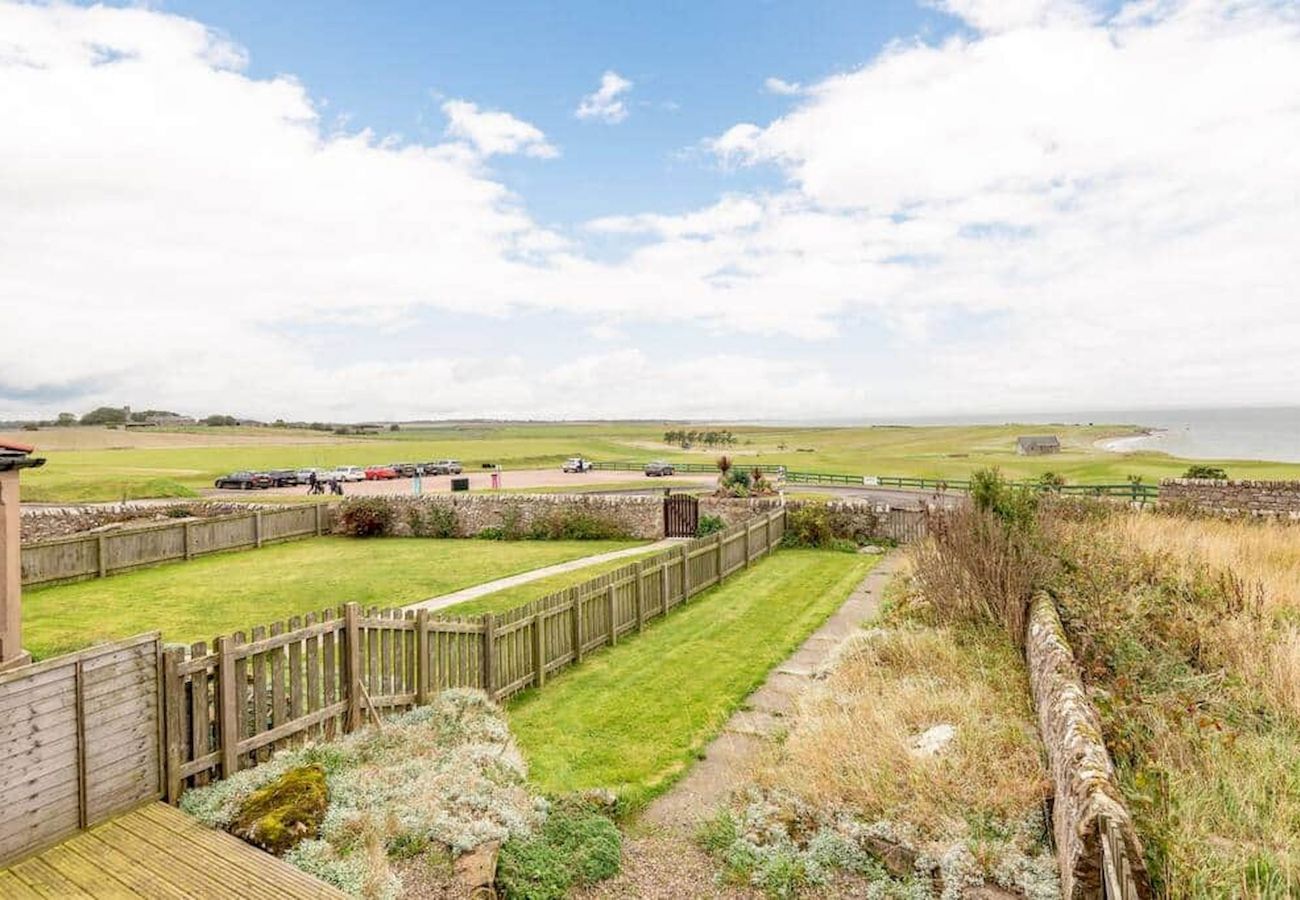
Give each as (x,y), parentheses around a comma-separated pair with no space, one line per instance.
(229,706)
(107,553)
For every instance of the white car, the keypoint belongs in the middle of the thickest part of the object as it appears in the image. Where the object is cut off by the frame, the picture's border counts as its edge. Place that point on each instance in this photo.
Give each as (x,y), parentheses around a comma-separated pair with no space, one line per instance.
(351,473)
(577,464)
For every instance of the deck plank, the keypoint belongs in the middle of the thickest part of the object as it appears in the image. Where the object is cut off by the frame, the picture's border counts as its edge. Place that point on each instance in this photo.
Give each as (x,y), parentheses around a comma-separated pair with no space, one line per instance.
(157,851)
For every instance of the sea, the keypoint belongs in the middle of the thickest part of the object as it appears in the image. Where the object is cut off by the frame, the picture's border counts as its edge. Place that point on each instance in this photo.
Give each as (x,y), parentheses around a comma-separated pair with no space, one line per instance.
(1248,433)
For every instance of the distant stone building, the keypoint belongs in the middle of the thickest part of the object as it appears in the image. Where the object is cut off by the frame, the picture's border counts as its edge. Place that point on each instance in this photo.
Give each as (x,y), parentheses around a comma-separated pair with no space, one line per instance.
(1038,444)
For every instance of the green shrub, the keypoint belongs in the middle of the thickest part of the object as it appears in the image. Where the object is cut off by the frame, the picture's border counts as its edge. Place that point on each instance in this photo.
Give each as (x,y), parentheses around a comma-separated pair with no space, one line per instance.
(578,845)
(431,520)
(1015,505)
(1050,481)
(816,525)
(575,525)
(1212,472)
(366,517)
(709,525)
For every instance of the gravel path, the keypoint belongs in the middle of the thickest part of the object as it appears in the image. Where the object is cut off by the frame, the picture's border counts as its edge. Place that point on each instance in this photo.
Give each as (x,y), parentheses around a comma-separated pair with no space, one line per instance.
(491,587)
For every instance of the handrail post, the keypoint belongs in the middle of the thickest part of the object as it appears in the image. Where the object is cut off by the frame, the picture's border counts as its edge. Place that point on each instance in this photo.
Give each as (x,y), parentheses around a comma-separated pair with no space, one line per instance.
(173,692)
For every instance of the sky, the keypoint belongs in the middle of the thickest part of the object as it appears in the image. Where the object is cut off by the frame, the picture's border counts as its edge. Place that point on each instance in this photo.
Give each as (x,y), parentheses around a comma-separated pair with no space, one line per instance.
(758,210)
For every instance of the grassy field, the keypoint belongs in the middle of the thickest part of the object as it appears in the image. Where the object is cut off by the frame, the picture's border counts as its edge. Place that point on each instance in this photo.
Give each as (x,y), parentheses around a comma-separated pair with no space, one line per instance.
(632,718)
(97,464)
(218,594)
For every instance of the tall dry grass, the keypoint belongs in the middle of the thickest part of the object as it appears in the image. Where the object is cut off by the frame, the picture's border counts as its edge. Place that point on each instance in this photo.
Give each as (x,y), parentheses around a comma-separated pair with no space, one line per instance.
(1254,567)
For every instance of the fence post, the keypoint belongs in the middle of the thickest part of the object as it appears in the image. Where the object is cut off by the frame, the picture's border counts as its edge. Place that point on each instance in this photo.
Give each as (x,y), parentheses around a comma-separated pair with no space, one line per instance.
(748,551)
(539,649)
(421,655)
(577,624)
(663,587)
(99,556)
(229,706)
(640,600)
(173,697)
(613,623)
(79,694)
(686,572)
(490,655)
(257,528)
(189,552)
(352,665)
(318,517)
(718,557)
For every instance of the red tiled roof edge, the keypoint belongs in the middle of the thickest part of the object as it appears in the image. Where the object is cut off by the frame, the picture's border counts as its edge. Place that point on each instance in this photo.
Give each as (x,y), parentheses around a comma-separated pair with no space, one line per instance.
(21,448)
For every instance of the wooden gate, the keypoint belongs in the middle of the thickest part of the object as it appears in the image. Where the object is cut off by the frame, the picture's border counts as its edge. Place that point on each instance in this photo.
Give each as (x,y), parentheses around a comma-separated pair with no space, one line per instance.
(681,515)
(80,739)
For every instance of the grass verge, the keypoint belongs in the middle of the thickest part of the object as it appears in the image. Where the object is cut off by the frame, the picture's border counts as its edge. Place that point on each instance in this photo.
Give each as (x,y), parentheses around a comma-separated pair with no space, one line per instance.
(509,598)
(633,718)
(214,595)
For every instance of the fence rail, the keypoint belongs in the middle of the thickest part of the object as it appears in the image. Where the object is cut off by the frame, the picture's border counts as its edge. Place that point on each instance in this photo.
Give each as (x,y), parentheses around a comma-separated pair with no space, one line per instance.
(230,704)
(100,555)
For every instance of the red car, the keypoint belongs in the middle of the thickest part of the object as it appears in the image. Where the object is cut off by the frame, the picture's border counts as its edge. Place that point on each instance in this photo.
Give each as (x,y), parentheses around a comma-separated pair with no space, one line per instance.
(380,473)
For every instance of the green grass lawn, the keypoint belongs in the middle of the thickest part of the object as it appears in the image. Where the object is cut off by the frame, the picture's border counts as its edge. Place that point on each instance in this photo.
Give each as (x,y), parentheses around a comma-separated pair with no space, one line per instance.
(110,468)
(509,598)
(634,717)
(216,595)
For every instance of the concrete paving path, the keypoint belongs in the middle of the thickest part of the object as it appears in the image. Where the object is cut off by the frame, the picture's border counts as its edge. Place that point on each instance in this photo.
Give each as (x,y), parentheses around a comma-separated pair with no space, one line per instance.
(491,587)
(724,766)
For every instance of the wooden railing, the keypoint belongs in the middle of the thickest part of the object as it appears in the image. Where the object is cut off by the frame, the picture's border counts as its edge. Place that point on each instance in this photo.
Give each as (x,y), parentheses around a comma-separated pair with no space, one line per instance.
(231,704)
(99,555)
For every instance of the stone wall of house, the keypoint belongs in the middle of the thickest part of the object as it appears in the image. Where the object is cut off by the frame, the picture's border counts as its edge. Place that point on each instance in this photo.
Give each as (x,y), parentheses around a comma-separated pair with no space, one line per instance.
(1277,499)
(631,516)
(1086,793)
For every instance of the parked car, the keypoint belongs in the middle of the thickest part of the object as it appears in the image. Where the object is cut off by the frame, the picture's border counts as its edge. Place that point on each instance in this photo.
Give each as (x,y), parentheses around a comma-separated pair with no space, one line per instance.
(380,473)
(283,477)
(443,467)
(304,475)
(351,473)
(243,481)
(452,466)
(427,468)
(576,464)
(657,468)
(403,470)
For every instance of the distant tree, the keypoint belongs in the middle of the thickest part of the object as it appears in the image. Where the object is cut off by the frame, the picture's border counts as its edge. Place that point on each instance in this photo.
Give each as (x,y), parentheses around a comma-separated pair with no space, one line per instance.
(394,427)
(31,426)
(105,415)
(1200,471)
(65,419)
(217,421)
(1050,481)
(144,415)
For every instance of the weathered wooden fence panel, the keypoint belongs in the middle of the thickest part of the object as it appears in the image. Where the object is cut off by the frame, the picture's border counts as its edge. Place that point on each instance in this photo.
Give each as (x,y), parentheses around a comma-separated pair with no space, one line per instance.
(98,555)
(79,742)
(231,706)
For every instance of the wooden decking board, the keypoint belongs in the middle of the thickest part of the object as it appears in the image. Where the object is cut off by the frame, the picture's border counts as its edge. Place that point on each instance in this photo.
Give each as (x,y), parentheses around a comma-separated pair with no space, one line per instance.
(217,871)
(45,879)
(157,852)
(231,868)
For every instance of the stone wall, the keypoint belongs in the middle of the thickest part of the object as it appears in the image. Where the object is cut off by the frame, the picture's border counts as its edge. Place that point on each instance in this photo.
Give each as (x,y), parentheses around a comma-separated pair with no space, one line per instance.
(1086,793)
(1279,499)
(853,518)
(631,516)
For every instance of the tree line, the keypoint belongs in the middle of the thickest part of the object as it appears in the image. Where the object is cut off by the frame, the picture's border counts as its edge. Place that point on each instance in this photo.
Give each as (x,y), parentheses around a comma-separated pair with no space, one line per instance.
(685,438)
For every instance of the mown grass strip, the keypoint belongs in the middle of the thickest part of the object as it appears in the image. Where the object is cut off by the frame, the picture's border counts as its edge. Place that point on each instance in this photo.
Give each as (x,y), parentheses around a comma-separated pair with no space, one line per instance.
(634,717)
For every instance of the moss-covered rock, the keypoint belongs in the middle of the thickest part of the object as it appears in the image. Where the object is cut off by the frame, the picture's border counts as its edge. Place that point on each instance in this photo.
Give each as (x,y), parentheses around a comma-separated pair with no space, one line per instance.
(286,811)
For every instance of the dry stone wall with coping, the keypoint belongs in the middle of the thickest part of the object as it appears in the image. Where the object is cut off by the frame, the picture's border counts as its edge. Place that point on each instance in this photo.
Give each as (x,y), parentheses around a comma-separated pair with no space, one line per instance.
(1274,499)
(1087,796)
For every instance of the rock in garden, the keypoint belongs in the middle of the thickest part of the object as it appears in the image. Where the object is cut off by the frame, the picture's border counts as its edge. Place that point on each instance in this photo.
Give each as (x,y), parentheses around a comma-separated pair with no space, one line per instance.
(478,867)
(285,812)
(933,741)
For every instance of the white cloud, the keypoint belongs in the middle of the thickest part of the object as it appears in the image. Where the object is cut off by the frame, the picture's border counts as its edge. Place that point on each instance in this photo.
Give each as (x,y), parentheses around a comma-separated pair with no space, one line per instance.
(781,86)
(605,102)
(992,16)
(492,132)
(1060,210)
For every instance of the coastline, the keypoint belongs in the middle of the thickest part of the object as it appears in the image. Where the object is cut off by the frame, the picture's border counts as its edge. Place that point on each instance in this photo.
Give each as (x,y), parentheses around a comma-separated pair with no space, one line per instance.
(1131,443)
